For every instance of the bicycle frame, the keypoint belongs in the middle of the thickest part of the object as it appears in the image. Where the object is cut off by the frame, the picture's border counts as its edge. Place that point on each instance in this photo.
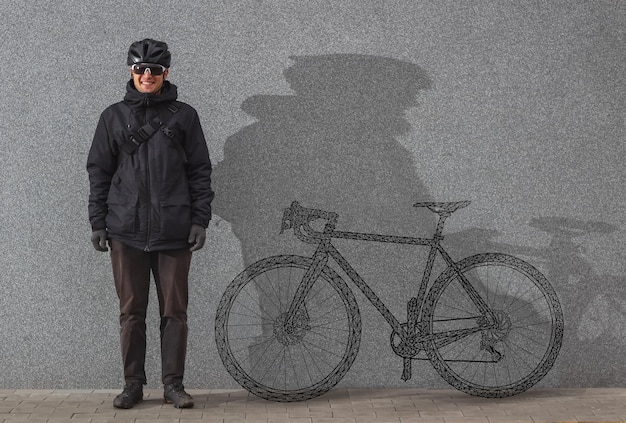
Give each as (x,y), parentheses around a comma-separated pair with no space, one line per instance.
(298,347)
(325,250)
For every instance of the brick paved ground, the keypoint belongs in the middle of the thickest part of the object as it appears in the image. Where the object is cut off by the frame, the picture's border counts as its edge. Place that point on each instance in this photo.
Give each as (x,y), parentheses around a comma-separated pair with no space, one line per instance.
(338,406)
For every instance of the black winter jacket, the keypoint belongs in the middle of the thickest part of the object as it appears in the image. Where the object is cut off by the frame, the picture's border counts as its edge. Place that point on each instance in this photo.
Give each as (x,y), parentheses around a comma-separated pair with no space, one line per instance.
(149,199)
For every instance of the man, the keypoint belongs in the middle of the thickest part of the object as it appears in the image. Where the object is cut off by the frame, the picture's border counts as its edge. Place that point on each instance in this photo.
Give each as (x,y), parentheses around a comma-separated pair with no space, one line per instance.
(150,197)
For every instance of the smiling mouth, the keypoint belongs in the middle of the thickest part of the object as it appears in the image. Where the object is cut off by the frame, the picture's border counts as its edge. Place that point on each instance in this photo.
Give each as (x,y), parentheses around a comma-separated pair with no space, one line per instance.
(147,84)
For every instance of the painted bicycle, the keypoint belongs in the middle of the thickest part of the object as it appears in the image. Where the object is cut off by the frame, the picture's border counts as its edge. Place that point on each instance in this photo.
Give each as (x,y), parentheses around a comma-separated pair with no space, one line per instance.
(288,327)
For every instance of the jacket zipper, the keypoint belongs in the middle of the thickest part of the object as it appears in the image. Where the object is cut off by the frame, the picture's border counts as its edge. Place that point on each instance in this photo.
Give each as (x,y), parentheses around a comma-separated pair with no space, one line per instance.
(149,227)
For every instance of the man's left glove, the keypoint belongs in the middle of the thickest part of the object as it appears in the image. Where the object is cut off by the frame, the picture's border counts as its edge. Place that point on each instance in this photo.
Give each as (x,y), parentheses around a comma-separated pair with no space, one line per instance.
(197,236)
(99,240)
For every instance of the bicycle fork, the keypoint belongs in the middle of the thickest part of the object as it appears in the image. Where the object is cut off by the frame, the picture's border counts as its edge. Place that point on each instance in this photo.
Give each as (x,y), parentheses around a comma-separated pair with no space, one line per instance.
(320,258)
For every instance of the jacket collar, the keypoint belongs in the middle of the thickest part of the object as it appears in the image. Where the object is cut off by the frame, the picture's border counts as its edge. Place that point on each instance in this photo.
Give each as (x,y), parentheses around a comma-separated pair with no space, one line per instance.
(137,100)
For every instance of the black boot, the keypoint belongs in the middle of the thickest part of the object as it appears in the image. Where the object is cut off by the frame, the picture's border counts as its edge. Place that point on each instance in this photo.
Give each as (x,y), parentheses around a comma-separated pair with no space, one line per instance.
(174,393)
(130,396)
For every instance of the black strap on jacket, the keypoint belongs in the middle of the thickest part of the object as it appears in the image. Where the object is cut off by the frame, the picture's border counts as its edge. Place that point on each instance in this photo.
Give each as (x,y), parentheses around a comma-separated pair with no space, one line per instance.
(130,145)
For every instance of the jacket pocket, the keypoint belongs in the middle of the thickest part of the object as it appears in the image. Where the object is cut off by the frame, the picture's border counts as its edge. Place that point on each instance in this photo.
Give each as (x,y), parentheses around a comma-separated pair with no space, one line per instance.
(122,213)
(175,217)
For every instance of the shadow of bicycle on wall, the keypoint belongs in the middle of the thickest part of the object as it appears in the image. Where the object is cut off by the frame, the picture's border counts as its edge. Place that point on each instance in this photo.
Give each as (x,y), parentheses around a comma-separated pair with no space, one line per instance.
(594,304)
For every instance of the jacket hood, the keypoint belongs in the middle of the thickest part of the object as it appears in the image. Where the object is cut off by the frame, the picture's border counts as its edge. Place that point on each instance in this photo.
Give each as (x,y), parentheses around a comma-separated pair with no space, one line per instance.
(137,100)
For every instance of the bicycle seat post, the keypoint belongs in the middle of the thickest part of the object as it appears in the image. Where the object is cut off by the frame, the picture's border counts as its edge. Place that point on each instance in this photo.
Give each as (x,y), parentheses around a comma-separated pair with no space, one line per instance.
(415,303)
(439,229)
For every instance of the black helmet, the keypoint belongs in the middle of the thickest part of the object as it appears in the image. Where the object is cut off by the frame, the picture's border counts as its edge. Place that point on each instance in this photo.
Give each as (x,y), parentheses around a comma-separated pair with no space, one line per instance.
(149,51)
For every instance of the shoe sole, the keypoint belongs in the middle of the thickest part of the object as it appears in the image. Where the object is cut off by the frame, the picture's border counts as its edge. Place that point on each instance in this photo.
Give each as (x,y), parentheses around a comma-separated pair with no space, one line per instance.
(128,408)
(166,401)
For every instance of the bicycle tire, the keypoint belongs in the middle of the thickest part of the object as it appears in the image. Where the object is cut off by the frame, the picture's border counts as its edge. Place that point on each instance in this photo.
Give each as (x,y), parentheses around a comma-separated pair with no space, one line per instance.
(257,350)
(529,333)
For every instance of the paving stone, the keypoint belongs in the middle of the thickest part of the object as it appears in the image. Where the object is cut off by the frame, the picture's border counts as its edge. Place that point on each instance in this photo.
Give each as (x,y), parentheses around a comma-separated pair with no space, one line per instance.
(343,406)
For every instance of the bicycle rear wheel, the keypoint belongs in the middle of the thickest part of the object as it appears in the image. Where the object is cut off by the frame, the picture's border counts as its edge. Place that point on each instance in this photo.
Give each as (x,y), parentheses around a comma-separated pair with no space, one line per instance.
(282,361)
(503,359)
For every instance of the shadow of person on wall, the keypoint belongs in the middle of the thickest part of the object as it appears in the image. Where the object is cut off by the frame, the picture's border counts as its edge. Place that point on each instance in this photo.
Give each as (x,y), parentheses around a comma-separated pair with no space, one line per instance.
(332,145)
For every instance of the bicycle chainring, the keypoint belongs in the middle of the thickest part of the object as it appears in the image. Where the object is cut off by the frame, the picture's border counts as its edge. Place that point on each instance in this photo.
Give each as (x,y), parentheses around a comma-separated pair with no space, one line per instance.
(406,348)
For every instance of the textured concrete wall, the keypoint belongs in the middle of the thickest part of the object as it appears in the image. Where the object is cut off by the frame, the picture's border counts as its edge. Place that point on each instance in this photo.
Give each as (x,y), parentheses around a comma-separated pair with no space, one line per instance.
(517,106)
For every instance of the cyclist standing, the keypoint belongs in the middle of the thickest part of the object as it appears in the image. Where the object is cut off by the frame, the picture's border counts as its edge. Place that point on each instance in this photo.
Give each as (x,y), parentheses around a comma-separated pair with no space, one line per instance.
(150,197)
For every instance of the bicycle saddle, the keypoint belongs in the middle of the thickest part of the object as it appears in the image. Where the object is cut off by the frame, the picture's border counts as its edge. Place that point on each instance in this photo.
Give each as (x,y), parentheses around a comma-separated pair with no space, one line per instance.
(441,208)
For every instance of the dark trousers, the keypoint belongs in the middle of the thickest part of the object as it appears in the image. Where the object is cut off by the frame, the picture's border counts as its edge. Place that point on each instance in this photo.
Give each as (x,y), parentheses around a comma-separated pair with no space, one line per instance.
(131,273)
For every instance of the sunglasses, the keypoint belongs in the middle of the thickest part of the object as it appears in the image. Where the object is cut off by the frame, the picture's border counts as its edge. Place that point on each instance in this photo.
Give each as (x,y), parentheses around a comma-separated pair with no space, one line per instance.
(151,68)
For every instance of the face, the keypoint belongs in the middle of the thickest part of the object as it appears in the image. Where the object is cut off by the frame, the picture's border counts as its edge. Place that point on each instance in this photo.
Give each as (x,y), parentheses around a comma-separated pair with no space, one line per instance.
(148,83)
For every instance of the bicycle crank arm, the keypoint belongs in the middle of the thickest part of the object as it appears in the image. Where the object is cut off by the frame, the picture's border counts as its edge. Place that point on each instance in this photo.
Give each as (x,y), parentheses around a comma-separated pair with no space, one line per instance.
(406,369)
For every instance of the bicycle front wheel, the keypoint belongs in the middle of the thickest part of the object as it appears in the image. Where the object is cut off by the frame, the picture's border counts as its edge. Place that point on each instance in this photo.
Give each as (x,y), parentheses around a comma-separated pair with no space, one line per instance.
(278,358)
(485,358)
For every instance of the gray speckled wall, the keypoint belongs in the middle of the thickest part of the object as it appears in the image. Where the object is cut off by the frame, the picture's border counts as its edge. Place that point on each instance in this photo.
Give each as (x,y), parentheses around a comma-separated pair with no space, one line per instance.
(517,106)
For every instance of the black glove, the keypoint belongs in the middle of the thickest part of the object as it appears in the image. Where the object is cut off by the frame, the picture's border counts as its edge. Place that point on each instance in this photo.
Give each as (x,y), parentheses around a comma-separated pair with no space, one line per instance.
(99,240)
(197,236)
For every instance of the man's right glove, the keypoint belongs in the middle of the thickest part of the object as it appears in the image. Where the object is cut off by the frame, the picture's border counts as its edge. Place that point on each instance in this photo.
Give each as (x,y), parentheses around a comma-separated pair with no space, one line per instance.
(99,240)
(197,237)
